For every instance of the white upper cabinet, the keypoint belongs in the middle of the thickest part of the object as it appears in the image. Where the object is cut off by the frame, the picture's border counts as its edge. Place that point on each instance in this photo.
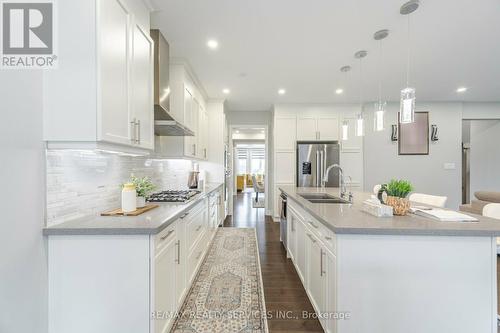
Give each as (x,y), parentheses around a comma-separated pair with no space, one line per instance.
(101,96)
(284,133)
(313,128)
(114,64)
(188,107)
(202,151)
(328,128)
(306,129)
(142,89)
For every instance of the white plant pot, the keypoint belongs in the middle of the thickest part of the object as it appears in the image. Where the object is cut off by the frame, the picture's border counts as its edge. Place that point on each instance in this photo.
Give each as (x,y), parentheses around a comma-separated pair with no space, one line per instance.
(141,202)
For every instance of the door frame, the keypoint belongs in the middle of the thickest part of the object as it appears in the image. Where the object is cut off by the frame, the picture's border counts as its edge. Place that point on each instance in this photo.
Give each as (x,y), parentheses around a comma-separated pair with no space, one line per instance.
(267,159)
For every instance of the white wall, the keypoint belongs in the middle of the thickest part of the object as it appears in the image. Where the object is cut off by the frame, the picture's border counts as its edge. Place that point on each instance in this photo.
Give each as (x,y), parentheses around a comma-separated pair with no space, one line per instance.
(427,172)
(481,110)
(249,136)
(23,260)
(484,156)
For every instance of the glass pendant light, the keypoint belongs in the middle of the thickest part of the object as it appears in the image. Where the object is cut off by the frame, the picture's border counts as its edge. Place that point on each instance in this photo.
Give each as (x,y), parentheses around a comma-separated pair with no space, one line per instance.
(360,125)
(407,103)
(345,130)
(380,106)
(345,123)
(360,121)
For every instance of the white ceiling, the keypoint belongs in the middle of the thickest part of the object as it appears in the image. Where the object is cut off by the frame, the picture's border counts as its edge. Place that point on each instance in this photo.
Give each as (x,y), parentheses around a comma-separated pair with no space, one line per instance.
(300,45)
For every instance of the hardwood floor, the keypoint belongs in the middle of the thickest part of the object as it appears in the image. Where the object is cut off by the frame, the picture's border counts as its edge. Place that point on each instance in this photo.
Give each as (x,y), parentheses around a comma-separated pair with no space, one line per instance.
(285,296)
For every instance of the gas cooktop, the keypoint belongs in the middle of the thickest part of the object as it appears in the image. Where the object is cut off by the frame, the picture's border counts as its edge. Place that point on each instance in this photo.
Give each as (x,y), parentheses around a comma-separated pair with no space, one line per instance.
(173,196)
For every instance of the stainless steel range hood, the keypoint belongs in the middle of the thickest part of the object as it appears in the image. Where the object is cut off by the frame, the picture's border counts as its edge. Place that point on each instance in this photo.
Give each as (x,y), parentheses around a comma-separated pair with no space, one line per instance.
(165,123)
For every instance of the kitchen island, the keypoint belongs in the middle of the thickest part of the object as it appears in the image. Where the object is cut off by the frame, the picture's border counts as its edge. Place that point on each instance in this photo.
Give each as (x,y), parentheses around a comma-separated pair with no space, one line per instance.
(396,274)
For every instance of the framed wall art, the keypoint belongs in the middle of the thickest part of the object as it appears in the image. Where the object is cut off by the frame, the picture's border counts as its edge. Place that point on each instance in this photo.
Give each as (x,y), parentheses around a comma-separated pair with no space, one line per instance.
(413,138)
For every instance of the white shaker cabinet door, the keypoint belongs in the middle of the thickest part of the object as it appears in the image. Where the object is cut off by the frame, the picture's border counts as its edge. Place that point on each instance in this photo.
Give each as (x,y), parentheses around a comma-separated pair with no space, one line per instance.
(284,133)
(113,72)
(328,128)
(291,234)
(165,300)
(315,272)
(300,253)
(142,87)
(331,291)
(306,129)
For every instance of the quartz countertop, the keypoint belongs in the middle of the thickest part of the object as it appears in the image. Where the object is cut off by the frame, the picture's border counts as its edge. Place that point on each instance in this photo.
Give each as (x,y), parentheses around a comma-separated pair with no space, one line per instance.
(151,222)
(351,219)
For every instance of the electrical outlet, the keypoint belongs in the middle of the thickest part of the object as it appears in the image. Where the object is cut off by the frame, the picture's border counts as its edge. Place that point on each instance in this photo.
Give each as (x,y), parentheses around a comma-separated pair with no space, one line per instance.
(449,166)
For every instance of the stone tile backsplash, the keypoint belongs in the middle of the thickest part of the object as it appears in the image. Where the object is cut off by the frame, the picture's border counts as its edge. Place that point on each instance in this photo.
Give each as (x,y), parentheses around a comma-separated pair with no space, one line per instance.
(85,183)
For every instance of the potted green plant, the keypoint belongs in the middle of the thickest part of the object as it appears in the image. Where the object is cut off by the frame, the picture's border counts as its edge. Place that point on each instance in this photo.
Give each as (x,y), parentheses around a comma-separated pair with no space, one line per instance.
(397,195)
(143,186)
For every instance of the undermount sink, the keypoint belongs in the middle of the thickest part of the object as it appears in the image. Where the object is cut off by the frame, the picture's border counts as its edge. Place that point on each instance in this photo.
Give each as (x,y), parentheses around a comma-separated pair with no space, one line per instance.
(323,198)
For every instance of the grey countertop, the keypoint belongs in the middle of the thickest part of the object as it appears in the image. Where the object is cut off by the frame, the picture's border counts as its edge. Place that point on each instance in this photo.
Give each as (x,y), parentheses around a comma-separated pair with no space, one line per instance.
(350,219)
(151,222)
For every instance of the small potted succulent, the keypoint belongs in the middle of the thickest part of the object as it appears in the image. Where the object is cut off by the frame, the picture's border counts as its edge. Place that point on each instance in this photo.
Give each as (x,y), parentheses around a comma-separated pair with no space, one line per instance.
(143,187)
(397,195)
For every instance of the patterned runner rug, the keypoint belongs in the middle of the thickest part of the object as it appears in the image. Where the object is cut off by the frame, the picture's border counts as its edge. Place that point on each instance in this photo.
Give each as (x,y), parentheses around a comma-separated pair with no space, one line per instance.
(227,294)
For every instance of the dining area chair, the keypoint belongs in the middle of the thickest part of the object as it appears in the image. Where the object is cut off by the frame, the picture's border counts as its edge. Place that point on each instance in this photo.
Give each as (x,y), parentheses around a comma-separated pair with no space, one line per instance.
(492,210)
(428,199)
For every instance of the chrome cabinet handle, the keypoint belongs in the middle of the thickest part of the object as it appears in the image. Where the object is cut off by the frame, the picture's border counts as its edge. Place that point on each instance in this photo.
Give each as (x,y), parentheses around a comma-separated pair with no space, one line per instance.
(194,149)
(205,152)
(132,131)
(318,169)
(321,262)
(184,215)
(199,227)
(328,238)
(166,236)
(314,225)
(138,131)
(178,260)
(312,239)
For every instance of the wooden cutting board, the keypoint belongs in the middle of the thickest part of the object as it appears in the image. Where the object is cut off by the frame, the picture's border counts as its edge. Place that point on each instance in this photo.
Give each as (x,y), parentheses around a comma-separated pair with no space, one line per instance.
(119,212)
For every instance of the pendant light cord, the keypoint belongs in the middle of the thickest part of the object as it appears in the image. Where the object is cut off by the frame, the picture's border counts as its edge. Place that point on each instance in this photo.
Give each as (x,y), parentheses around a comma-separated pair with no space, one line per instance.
(408,56)
(380,73)
(360,82)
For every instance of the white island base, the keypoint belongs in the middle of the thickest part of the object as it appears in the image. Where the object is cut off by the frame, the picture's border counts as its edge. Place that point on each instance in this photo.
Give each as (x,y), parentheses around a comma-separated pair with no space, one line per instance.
(431,284)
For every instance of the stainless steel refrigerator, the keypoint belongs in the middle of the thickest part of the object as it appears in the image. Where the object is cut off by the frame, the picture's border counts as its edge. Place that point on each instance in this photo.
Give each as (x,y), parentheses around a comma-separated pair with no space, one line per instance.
(313,158)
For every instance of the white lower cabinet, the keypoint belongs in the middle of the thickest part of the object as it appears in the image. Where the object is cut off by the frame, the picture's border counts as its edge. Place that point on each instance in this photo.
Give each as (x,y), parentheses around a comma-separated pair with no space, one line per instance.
(300,254)
(291,233)
(316,285)
(165,277)
(127,283)
(310,248)
(330,262)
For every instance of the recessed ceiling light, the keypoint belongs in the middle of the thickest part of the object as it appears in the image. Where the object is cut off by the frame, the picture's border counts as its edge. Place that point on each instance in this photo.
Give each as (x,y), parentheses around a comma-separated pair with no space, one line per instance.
(226,91)
(213,44)
(282,91)
(461,89)
(339,91)
(236,131)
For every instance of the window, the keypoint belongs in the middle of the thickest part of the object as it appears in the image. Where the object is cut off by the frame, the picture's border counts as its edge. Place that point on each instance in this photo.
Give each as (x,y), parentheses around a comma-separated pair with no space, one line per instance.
(251,159)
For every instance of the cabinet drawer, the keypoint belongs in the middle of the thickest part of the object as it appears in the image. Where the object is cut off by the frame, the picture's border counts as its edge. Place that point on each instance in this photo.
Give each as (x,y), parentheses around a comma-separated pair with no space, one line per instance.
(164,236)
(195,258)
(195,229)
(318,229)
